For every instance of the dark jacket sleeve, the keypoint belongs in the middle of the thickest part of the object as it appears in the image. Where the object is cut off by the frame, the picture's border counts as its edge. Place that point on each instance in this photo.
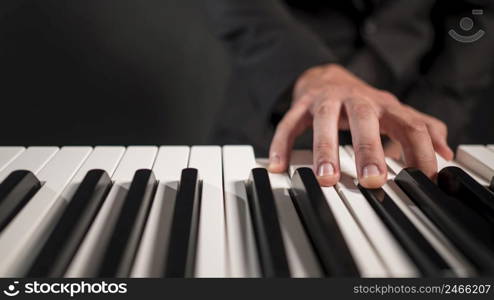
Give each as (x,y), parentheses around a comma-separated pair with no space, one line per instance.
(269,48)
(396,38)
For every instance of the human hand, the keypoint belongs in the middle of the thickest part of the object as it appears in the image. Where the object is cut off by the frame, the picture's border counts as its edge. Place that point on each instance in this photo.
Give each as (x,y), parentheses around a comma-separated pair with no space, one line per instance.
(330,98)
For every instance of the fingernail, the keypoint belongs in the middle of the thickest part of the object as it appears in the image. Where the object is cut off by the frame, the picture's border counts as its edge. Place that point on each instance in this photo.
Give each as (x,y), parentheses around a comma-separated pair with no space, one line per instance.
(370,170)
(325,169)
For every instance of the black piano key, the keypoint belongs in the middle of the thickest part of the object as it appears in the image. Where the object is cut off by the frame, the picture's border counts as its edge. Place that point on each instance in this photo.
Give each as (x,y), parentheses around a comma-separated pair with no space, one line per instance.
(321,226)
(457,183)
(491,186)
(66,237)
(449,216)
(425,257)
(266,225)
(463,215)
(121,250)
(183,233)
(15,192)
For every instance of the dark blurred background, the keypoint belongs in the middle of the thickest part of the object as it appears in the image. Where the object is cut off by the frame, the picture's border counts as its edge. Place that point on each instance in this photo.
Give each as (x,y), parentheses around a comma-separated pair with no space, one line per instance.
(93,72)
(129,72)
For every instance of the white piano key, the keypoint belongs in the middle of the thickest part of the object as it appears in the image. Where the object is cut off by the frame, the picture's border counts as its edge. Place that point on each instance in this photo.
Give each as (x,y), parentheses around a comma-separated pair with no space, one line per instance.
(170,162)
(32,159)
(433,235)
(477,158)
(366,259)
(211,257)
(430,232)
(368,262)
(136,157)
(8,154)
(490,147)
(23,237)
(348,148)
(394,166)
(442,163)
(238,161)
(150,258)
(299,158)
(104,158)
(301,258)
(88,257)
(396,260)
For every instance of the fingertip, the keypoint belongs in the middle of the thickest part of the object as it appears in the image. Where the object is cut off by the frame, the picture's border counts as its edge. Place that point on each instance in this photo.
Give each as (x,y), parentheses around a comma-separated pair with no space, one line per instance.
(327,181)
(373,182)
(327,174)
(276,168)
(444,150)
(448,154)
(431,173)
(276,163)
(373,176)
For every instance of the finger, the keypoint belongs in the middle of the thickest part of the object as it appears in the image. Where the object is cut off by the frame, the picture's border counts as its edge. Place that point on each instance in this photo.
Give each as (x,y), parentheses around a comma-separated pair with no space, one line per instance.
(392,149)
(438,132)
(439,138)
(325,124)
(366,139)
(413,135)
(295,121)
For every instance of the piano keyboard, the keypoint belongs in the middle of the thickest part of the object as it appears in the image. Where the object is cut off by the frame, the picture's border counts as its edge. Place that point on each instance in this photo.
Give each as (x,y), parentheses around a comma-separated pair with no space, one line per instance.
(210,211)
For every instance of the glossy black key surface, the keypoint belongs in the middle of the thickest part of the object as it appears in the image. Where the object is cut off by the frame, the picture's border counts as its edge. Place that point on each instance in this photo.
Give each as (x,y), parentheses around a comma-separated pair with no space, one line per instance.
(491,186)
(463,215)
(450,216)
(66,237)
(457,183)
(183,234)
(321,226)
(15,192)
(425,257)
(121,250)
(266,225)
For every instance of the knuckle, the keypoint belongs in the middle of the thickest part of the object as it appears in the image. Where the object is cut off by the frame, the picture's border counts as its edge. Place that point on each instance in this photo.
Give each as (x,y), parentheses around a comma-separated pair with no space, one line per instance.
(302,102)
(392,112)
(323,146)
(441,126)
(415,126)
(426,159)
(408,109)
(350,90)
(316,93)
(325,108)
(364,148)
(389,97)
(362,110)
